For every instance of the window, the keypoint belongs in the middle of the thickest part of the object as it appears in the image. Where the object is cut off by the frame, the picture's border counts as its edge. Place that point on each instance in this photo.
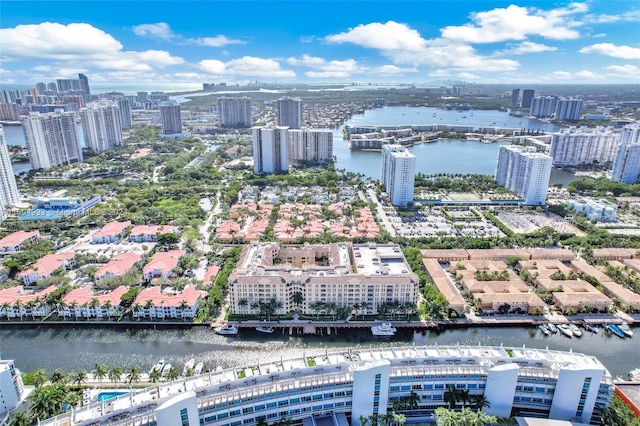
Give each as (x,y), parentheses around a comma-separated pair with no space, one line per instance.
(184,417)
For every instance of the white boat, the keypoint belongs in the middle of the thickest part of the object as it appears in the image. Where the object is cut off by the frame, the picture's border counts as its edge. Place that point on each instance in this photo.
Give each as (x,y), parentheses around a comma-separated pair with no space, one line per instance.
(575,330)
(198,368)
(227,330)
(158,366)
(188,366)
(564,329)
(624,327)
(544,329)
(384,329)
(265,329)
(552,328)
(165,369)
(634,375)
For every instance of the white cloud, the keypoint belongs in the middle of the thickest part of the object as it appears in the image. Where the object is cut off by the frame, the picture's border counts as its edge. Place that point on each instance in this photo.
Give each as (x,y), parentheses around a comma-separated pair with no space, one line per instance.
(78,45)
(388,36)
(615,51)
(624,71)
(393,70)
(516,23)
(629,16)
(526,47)
(467,76)
(589,75)
(321,68)
(159,30)
(583,75)
(247,66)
(217,41)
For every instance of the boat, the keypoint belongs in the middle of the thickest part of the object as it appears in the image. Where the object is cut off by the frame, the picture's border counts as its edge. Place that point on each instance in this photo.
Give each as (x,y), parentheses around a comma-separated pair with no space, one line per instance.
(590,327)
(188,366)
(198,368)
(552,328)
(158,366)
(575,330)
(634,375)
(227,330)
(614,329)
(265,329)
(564,329)
(165,369)
(384,329)
(624,327)
(544,329)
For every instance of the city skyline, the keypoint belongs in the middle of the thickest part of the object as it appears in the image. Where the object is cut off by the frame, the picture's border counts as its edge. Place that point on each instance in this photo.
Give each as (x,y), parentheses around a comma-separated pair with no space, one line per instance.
(167,42)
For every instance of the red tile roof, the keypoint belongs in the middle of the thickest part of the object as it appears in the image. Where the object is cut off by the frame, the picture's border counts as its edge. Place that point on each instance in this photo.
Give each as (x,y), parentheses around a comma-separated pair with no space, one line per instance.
(155,294)
(86,295)
(153,229)
(12,294)
(17,238)
(212,272)
(112,229)
(119,264)
(163,261)
(49,263)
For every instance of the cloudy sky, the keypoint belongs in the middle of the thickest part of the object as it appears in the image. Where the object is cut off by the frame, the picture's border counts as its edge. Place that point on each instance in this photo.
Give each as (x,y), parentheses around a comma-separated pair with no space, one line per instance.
(122,42)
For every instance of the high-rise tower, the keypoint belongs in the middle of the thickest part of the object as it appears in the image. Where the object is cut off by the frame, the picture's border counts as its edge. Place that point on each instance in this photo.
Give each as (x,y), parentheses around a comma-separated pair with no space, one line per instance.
(524,171)
(234,112)
(8,189)
(52,139)
(626,168)
(102,126)
(290,112)
(398,173)
(270,150)
(171,119)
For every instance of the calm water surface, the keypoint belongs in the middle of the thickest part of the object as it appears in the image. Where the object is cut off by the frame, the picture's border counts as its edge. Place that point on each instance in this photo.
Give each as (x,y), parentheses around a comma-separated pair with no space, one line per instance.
(75,348)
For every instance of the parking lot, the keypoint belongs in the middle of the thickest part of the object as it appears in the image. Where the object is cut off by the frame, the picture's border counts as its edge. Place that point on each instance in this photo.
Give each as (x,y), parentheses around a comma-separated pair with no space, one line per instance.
(522,222)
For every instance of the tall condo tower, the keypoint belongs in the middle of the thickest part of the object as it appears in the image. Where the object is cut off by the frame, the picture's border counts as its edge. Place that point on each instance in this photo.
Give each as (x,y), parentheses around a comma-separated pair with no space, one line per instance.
(626,168)
(290,112)
(542,106)
(398,173)
(234,112)
(125,112)
(527,97)
(83,83)
(568,109)
(584,146)
(170,117)
(270,150)
(515,97)
(52,139)
(314,145)
(102,126)
(8,189)
(524,171)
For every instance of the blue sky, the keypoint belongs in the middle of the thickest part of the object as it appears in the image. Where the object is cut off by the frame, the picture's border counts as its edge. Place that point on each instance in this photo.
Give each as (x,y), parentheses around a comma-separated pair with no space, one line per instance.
(160,42)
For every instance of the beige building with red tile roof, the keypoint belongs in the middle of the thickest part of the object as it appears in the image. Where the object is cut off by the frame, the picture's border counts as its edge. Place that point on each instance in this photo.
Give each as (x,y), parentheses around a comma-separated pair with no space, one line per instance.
(614,253)
(498,254)
(161,264)
(111,232)
(153,302)
(13,242)
(444,285)
(445,255)
(119,265)
(149,233)
(210,275)
(46,265)
(83,302)
(18,302)
(626,297)
(551,254)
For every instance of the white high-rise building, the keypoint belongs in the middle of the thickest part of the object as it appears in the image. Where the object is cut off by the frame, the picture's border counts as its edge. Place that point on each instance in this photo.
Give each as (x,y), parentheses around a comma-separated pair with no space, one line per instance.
(290,112)
(170,117)
(102,126)
(524,171)
(8,189)
(313,145)
(125,112)
(626,168)
(52,139)
(542,106)
(398,173)
(270,149)
(584,146)
(234,112)
(568,109)
(11,387)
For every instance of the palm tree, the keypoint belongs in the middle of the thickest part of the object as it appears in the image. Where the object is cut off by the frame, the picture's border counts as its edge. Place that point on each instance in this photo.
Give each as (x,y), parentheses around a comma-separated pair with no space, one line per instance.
(155,374)
(17,306)
(364,306)
(107,307)
(297,298)
(148,305)
(20,419)
(413,400)
(317,307)
(74,306)
(58,376)
(115,374)
(78,377)
(134,375)
(243,303)
(31,305)
(47,401)
(95,302)
(136,307)
(332,309)
(5,309)
(39,377)
(409,308)
(173,373)
(480,402)
(100,372)
(451,396)
(465,397)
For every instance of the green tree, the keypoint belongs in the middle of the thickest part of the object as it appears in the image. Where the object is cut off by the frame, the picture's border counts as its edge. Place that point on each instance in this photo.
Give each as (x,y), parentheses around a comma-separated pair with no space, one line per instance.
(173,373)
(100,372)
(115,374)
(78,377)
(39,377)
(155,374)
(134,375)
(58,376)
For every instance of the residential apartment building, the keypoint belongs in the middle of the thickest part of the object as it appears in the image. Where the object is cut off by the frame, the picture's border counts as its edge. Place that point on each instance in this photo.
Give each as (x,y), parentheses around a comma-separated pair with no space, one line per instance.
(270,149)
(234,112)
(289,112)
(47,265)
(149,233)
(515,98)
(153,302)
(9,112)
(334,386)
(626,168)
(119,265)
(162,264)
(313,145)
(568,109)
(84,302)
(398,174)
(343,273)
(110,233)
(542,106)
(9,195)
(170,118)
(576,147)
(125,112)
(527,97)
(52,139)
(102,126)
(601,210)
(20,302)
(11,387)
(524,171)
(13,242)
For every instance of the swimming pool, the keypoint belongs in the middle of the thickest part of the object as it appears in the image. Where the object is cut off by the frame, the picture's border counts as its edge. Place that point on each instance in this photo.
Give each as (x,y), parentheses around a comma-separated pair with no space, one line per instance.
(103,396)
